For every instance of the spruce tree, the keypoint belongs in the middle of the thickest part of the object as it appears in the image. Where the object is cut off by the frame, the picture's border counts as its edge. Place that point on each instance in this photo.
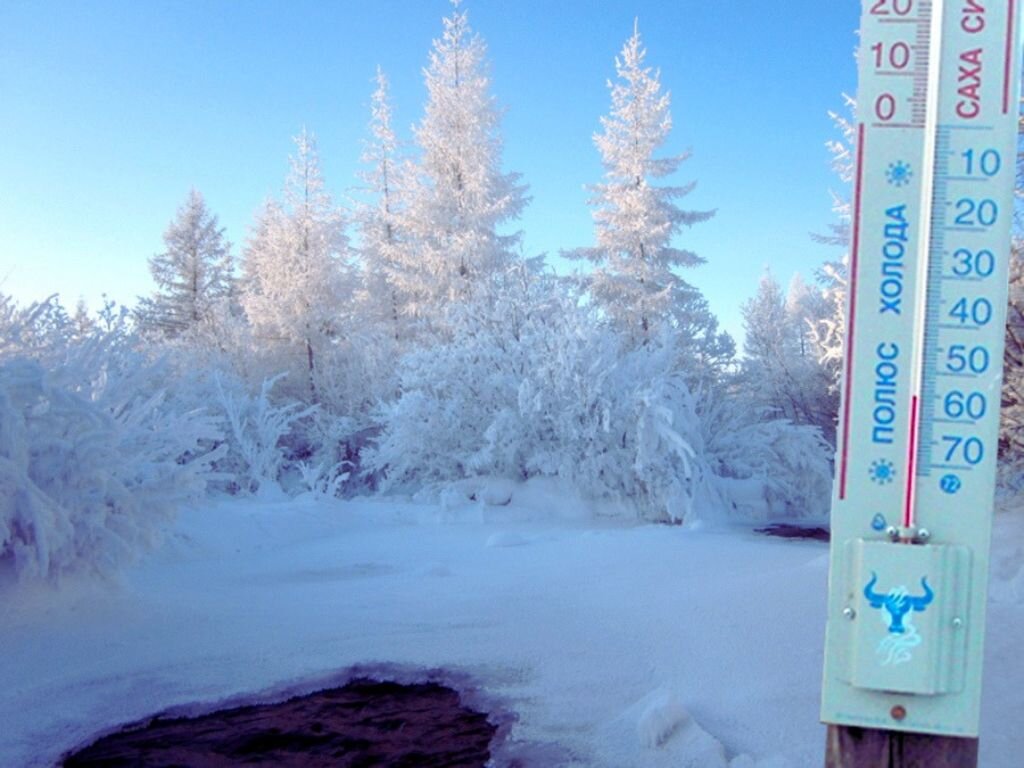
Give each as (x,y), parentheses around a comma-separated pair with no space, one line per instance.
(459,197)
(192,274)
(635,279)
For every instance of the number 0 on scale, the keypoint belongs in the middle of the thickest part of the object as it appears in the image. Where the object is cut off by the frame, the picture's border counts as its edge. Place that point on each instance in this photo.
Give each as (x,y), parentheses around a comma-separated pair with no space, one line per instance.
(918,423)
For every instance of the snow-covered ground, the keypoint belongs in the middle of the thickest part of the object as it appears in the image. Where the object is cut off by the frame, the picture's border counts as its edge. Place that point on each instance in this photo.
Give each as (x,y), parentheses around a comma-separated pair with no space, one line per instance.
(613,645)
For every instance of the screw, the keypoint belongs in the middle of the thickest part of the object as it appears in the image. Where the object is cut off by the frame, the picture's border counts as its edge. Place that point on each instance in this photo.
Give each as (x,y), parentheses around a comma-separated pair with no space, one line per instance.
(923,535)
(958,622)
(849,613)
(898,712)
(892,532)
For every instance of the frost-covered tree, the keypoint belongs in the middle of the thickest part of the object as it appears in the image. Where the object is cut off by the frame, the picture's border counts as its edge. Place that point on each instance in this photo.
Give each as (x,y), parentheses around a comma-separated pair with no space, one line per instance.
(1011,433)
(296,277)
(381,221)
(780,372)
(830,331)
(82,324)
(459,198)
(769,344)
(192,275)
(844,162)
(806,305)
(8,318)
(635,279)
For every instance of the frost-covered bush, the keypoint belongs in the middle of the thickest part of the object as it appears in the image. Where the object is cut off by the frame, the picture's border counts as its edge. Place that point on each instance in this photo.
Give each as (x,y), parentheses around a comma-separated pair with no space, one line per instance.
(272,431)
(84,487)
(531,383)
(220,344)
(42,329)
(452,392)
(256,428)
(357,371)
(94,457)
(791,463)
(269,427)
(323,477)
(623,425)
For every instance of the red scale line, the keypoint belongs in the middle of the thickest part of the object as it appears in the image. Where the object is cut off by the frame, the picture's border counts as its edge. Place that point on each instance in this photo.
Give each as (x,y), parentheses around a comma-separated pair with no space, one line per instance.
(852,315)
(908,508)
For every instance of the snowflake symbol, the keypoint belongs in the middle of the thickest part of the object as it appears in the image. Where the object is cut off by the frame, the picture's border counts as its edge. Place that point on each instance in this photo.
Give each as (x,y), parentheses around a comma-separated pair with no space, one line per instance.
(898,174)
(882,471)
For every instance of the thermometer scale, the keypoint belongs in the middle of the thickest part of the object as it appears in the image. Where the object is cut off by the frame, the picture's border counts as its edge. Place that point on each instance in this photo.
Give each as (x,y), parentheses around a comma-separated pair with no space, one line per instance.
(919,420)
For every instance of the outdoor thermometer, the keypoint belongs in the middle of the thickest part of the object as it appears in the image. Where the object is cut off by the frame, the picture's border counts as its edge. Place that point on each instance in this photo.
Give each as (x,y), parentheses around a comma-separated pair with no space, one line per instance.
(918,424)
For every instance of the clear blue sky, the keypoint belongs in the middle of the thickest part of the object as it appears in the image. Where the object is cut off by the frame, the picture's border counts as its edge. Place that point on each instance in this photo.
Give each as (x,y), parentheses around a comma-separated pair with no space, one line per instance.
(111,111)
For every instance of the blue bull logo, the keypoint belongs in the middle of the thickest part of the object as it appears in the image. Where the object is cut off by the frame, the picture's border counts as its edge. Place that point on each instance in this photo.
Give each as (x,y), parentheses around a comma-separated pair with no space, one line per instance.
(897,602)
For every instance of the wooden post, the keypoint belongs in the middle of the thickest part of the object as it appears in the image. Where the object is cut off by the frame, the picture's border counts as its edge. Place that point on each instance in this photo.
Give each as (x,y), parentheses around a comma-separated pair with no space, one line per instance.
(850,747)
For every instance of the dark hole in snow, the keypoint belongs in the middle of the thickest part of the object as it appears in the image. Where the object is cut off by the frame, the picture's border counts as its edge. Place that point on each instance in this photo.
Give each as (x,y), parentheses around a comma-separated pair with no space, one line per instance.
(788,531)
(365,723)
